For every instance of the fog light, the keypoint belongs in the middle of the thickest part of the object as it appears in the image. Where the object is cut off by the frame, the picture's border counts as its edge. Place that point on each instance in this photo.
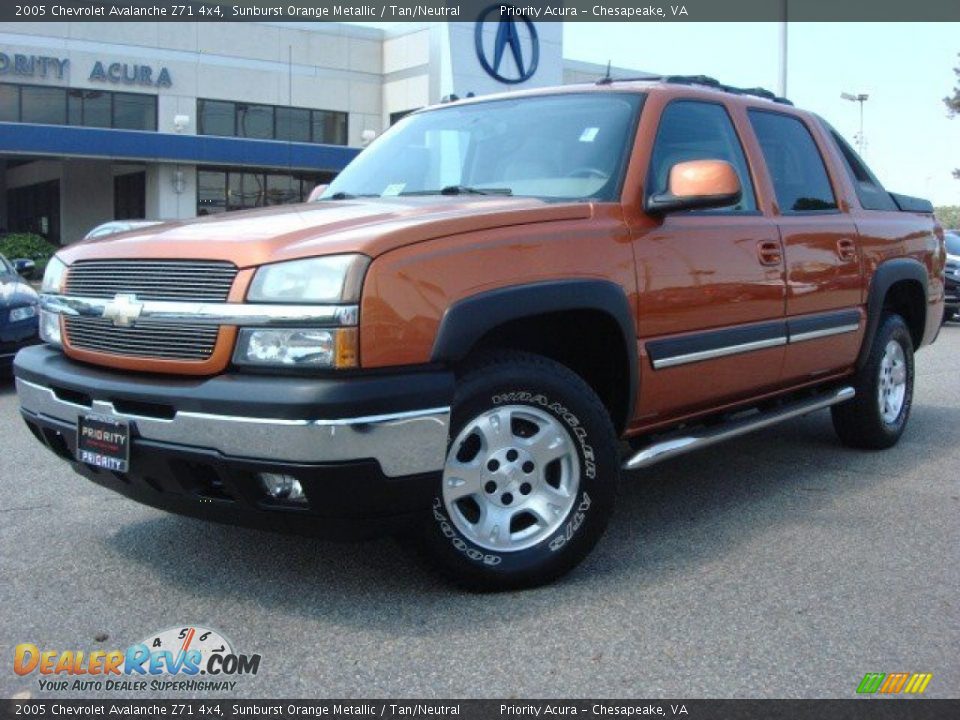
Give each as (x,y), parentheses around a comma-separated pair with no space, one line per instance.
(282,487)
(50,328)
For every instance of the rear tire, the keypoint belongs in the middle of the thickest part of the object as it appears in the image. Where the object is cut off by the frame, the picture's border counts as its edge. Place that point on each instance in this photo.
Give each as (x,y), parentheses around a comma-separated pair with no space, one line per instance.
(875,419)
(530,479)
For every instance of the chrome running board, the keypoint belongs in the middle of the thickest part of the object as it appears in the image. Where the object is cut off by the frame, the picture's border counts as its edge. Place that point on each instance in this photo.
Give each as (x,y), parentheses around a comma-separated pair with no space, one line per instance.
(703,437)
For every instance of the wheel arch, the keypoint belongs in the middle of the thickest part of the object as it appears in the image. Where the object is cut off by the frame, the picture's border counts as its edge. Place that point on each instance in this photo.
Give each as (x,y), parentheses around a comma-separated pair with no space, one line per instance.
(899,284)
(533,317)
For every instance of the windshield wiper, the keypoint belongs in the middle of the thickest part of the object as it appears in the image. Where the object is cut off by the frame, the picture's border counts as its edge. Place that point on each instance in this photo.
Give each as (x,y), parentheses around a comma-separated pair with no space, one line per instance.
(463,190)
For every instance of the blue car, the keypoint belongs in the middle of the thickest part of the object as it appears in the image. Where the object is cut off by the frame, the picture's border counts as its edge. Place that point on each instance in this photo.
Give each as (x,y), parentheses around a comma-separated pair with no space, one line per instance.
(19,313)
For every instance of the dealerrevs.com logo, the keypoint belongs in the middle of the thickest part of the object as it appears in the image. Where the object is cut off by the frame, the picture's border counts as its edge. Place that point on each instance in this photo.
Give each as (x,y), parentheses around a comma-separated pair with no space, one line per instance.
(188,658)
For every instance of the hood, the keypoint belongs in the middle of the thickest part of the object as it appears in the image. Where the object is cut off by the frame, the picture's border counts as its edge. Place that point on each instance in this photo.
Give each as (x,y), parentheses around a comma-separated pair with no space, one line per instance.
(370,226)
(14,292)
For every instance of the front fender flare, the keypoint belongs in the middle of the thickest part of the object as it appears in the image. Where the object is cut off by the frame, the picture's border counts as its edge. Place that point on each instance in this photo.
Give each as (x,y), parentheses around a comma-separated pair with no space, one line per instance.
(466,321)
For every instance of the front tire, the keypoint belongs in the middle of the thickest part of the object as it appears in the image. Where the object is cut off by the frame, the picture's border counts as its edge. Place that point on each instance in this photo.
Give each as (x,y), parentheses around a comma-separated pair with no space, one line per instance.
(877,416)
(531,475)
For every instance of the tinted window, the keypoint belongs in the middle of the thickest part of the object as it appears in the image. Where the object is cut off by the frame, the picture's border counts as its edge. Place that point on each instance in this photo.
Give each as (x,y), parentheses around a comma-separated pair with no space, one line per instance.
(211,192)
(43,105)
(799,177)
(91,108)
(255,121)
(293,124)
(953,243)
(134,112)
(216,118)
(870,192)
(698,131)
(9,103)
(329,127)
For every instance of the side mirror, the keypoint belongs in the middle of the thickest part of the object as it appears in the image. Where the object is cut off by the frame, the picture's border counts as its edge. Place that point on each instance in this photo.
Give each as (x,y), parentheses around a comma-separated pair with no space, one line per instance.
(317,192)
(24,267)
(697,185)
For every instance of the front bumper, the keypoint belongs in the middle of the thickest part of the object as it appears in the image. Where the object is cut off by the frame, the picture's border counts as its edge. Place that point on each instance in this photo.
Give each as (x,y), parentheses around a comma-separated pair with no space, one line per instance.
(364,448)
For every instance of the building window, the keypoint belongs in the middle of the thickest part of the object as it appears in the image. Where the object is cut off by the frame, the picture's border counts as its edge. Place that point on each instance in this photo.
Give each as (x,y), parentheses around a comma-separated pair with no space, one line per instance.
(92,108)
(216,118)
(224,189)
(396,117)
(293,124)
(329,127)
(211,192)
(44,105)
(9,103)
(134,112)
(86,108)
(130,196)
(268,122)
(255,121)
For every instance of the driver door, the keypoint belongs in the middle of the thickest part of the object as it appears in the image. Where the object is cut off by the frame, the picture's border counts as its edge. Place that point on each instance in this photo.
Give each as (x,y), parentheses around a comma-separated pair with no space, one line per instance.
(711,284)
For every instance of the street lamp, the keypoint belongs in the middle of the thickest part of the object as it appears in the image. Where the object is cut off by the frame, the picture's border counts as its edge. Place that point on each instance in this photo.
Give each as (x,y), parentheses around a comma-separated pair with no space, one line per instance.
(861,98)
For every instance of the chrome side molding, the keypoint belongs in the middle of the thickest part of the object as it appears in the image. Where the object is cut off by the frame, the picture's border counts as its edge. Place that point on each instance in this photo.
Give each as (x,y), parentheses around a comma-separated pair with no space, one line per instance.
(705,437)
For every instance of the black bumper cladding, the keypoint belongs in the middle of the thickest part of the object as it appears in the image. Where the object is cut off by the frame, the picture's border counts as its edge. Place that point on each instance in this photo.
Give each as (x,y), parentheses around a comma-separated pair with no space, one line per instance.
(347,497)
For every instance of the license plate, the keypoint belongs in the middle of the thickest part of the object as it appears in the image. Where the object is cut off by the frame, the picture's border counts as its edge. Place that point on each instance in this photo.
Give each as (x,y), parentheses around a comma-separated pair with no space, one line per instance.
(103,442)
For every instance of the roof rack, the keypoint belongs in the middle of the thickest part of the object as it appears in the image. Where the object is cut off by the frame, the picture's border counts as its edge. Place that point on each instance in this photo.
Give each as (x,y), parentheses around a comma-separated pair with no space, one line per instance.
(704,80)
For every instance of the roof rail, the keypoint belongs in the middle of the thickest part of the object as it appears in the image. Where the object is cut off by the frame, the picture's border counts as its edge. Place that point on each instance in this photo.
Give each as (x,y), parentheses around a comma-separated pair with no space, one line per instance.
(704,80)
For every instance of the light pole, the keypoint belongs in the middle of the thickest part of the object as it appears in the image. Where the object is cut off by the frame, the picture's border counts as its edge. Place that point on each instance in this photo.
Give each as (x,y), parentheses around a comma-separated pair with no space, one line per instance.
(782,85)
(861,98)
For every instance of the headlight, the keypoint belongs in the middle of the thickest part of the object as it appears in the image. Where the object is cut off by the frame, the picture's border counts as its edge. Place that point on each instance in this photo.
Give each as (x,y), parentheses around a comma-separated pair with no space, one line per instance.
(50,328)
(297,347)
(333,279)
(23,313)
(54,276)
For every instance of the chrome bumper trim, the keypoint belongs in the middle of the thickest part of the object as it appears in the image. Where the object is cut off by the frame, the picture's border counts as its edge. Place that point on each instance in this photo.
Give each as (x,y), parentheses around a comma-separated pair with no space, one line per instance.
(404,443)
(131,310)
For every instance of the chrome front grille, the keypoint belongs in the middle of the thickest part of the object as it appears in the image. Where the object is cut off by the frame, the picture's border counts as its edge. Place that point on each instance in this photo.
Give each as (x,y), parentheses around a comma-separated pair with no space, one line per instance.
(152,279)
(146,339)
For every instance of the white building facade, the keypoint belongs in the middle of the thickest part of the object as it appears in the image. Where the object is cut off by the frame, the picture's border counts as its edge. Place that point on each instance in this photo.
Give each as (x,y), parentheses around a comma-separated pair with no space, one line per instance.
(161,120)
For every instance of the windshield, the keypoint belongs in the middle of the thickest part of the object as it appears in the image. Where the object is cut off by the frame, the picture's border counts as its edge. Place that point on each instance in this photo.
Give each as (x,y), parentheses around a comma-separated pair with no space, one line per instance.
(5,267)
(953,243)
(570,146)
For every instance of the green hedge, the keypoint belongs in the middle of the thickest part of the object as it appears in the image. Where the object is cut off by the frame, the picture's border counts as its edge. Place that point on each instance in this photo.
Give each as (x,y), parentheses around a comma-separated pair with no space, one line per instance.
(27,245)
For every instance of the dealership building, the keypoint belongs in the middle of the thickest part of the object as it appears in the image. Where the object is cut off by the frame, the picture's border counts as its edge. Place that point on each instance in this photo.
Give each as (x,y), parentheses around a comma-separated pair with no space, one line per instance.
(161,120)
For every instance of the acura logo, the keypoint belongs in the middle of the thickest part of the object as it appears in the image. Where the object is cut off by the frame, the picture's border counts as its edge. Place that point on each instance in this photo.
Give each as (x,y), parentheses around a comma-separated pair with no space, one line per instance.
(123,310)
(510,35)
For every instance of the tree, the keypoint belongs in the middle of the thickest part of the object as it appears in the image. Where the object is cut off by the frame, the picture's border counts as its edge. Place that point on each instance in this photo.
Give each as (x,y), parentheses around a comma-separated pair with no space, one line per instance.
(953,106)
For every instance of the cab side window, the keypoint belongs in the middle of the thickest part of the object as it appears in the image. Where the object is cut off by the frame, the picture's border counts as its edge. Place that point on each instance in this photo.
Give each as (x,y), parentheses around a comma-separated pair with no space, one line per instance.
(870,192)
(691,130)
(799,176)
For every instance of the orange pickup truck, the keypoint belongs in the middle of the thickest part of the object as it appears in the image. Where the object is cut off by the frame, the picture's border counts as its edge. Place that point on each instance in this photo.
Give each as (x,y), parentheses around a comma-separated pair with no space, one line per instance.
(496,309)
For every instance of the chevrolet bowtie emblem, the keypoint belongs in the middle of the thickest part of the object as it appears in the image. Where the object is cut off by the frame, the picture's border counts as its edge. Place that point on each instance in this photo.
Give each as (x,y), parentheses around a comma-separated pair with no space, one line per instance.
(123,310)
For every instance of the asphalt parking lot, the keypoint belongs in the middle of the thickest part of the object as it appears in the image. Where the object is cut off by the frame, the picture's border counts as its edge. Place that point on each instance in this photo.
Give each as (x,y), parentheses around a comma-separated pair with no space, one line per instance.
(778,565)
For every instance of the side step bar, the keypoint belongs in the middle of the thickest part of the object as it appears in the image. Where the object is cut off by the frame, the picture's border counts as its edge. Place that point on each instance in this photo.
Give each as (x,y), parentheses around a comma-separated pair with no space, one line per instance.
(703,437)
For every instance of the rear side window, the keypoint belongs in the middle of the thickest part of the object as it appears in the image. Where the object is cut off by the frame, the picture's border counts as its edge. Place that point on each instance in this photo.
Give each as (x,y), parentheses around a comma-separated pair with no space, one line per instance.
(691,130)
(870,192)
(799,176)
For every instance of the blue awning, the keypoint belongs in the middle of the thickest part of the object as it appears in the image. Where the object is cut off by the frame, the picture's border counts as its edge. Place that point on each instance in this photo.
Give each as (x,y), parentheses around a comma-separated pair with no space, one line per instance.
(69,141)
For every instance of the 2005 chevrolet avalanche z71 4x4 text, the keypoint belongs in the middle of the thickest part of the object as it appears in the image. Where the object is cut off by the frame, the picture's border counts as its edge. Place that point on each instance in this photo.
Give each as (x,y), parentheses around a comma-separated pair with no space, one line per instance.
(469,327)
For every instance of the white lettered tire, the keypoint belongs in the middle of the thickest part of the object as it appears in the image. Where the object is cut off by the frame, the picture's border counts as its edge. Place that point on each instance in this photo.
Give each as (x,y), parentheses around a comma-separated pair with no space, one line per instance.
(531,475)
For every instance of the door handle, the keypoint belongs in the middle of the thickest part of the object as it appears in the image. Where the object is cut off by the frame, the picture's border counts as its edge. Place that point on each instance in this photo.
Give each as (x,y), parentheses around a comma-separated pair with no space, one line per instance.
(768,252)
(846,249)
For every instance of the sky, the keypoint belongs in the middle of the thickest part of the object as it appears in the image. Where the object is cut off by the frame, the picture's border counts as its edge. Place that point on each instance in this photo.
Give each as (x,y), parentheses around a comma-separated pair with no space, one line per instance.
(905,68)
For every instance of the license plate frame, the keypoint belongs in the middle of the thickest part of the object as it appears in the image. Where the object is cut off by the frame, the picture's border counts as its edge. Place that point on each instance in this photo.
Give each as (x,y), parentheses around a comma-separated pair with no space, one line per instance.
(103,442)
